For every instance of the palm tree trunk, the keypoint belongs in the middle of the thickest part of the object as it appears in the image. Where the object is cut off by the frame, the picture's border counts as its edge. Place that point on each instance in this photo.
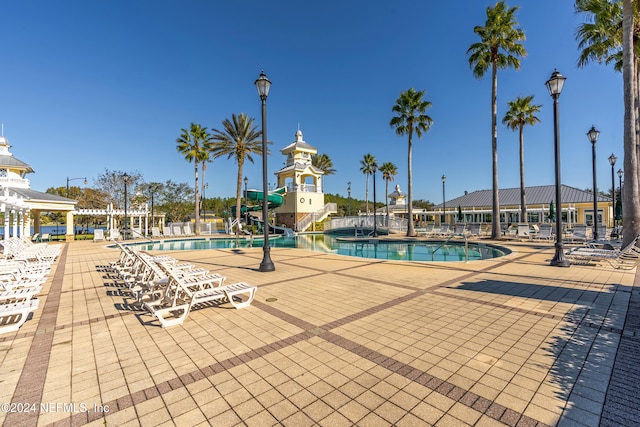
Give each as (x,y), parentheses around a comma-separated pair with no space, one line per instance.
(239,192)
(411,232)
(386,199)
(197,197)
(523,203)
(495,212)
(631,206)
(366,193)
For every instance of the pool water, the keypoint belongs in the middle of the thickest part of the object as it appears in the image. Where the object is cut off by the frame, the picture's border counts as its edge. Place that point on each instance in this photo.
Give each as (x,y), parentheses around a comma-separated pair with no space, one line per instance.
(390,250)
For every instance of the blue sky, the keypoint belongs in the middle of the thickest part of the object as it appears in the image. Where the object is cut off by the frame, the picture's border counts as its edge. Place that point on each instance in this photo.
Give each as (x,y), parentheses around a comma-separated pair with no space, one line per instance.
(92,85)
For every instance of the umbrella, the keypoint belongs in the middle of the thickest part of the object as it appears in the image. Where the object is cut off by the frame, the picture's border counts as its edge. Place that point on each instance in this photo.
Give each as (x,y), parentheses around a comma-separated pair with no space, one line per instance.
(552,212)
(618,215)
(460,217)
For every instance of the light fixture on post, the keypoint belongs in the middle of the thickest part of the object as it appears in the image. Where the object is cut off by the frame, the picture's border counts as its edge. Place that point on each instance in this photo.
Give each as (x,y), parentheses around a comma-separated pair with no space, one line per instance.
(555,85)
(374,168)
(125,178)
(73,179)
(444,205)
(263,85)
(593,138)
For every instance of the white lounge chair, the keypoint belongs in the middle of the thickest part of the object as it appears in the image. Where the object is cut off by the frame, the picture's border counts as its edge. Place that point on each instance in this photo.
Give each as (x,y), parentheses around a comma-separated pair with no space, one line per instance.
(14,314)
(98,234)
(625,259)
(176,230)
(155,232)
(114,234)
(545,232)
(182,295)
(524,232)
(187,230)
(579,233)
(460,229)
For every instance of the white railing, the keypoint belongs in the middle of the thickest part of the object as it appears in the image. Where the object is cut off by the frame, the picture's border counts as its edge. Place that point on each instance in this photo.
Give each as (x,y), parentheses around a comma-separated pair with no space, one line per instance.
(302,188)
(306,220)
(399,224)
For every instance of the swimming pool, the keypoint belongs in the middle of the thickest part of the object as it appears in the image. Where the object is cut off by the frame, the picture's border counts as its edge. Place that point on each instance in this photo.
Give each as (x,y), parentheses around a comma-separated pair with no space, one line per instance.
(376,249)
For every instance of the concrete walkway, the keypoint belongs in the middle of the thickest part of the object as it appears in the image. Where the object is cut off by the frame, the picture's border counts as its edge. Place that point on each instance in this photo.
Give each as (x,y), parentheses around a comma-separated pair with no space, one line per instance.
(335,341)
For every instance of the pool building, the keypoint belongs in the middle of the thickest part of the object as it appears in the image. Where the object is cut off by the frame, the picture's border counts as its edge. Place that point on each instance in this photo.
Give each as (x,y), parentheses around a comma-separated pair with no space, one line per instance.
(476,206)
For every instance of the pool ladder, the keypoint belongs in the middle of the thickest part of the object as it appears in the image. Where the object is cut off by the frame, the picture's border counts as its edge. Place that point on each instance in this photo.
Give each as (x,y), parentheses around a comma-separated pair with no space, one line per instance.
(466,246)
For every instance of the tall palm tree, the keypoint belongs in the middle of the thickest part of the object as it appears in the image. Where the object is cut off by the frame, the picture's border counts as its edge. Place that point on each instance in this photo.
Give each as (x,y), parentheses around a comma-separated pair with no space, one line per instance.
(499,47)
(195,144)
(366,167)
(631,206)
(611,36)
(410,116)
(324,163)
(239,139)
(521,112)
(389,170)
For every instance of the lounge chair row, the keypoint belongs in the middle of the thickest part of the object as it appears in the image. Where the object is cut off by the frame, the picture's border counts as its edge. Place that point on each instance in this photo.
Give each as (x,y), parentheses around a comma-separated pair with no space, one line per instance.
(23,270)
(626,258)
(168,289)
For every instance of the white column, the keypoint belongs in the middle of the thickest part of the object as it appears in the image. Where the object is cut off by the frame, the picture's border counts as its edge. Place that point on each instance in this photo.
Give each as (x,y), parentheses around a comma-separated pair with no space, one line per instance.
(6,221)
(15,222)
(70,227)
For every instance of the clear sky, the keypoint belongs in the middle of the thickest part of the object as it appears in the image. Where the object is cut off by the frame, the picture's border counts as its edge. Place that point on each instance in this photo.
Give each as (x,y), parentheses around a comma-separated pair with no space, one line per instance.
(92,85)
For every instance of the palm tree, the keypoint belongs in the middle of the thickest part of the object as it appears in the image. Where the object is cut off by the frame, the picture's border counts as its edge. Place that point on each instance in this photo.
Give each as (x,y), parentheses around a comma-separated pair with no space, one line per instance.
(410,117)
(631,206)
(601,38)
(521,112)
(389,170)
(239,140)
(324,163)
(195,144)
(611,36)
(499,47)
(366,167)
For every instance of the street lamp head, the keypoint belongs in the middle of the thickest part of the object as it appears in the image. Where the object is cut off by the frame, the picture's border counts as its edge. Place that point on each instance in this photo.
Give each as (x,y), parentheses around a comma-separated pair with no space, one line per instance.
(263,85)
(444,178)
(555,83)
(612,160)
(620,173)
(246,181)
(593,135)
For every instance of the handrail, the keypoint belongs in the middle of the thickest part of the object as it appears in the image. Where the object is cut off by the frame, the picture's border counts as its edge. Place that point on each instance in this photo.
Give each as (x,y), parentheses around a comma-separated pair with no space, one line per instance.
(466,246)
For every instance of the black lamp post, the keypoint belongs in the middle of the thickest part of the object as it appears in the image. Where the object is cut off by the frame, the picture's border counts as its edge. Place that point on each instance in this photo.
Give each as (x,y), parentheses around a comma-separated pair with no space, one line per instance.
(620,174)
(204,203)
(246,182)
(73,179)
(555,85)
(349,197)
(612,162)
(374,168)
(125,178)
(153,187)
(593,137)
(444,205)
(263,85)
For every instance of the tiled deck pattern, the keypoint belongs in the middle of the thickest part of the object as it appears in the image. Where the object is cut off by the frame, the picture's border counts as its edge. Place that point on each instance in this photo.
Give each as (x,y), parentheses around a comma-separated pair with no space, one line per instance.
(347,341)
